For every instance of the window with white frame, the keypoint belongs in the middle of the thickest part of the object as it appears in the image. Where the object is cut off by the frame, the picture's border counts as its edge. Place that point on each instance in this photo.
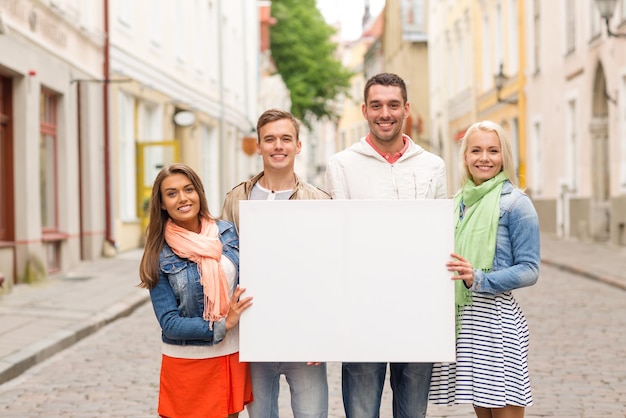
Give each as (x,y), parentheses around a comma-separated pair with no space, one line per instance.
(459,58)
(499,36)
(515,145)
(513,40)
(570,26)
(127,158)
(180,32)
(450,69)
(487,58)
(155,22)
(536,161)
(537,35)
(200,35)
(595,24)
(571,146)
(210,163)
(124,12)
(212,47)
(622,134)
(86,15)
(150,122)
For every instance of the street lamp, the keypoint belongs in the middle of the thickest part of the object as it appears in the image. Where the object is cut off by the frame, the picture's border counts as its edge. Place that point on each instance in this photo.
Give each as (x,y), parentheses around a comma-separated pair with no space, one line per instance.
(606,8)
(499,80)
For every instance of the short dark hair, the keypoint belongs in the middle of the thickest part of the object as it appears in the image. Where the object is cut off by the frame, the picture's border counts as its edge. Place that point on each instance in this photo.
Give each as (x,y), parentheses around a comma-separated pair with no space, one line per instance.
(385,79)
(272,115)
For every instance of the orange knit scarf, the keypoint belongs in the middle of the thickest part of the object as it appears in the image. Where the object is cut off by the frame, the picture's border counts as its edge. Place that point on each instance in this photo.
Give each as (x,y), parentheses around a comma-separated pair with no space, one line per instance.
(204,249)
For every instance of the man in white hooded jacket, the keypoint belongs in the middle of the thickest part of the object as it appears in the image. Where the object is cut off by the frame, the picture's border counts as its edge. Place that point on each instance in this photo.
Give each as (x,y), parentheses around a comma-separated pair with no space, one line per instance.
(386,164)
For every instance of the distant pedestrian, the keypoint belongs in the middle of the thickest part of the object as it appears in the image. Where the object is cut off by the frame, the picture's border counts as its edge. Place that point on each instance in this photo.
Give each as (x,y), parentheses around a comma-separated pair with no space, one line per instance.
(496,251)
(191,267)
(278,144)
(386,164)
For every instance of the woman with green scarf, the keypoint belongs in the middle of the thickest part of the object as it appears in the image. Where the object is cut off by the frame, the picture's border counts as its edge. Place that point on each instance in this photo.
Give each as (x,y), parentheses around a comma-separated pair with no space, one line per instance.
(496,251)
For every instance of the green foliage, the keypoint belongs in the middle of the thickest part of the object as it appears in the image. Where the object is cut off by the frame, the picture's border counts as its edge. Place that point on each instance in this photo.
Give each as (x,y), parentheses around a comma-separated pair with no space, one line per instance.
(305,58)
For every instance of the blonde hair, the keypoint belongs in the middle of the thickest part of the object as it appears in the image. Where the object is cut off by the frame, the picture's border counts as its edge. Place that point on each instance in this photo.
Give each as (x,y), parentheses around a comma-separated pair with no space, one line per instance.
(508,166)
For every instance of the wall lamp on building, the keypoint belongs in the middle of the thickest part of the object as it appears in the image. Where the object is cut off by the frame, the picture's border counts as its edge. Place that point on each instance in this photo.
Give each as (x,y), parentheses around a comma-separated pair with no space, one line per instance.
(606,8)
(248,143)
(499,80)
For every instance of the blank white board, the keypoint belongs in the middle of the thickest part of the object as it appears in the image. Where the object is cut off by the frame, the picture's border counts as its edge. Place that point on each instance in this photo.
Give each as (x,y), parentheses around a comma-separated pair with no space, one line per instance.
(347,280)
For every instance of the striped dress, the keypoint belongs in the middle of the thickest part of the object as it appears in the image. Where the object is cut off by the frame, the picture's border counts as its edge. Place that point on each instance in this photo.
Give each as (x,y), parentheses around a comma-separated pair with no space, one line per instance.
(492,357)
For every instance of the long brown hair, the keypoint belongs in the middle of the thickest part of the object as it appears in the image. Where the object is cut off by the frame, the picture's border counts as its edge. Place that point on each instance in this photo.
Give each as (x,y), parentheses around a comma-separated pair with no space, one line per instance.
(155,232)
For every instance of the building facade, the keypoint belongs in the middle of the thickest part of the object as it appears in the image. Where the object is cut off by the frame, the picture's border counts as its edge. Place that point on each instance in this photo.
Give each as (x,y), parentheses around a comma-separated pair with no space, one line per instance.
(577,119)
(95,97)
(51,136)
(186,83)
(550,75)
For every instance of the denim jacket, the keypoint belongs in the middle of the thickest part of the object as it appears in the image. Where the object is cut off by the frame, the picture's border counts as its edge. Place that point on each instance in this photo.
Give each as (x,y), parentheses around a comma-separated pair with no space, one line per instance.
(178,297)
(517,258)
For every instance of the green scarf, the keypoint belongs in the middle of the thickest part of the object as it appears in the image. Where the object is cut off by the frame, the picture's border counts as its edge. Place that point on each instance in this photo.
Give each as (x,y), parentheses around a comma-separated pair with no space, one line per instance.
(475,231)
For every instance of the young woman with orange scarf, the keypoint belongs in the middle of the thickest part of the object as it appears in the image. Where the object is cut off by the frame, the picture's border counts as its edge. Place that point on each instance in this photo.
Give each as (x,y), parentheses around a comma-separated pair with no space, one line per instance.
(191,267)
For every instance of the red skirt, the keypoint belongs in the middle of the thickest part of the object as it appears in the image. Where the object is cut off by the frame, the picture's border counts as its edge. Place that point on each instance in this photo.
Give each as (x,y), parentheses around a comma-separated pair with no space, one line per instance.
(204,388)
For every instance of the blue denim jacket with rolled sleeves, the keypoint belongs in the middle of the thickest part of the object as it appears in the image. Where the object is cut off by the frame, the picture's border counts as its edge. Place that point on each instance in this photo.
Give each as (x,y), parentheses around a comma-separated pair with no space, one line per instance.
(517,257)
(178,297)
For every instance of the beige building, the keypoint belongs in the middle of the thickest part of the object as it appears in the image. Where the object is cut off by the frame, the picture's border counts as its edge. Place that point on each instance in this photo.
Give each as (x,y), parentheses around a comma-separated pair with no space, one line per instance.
(405,52)
(51,137)
(95,97)
(186,90)
(576,93)
(470,43)
(550,75)
(356,56)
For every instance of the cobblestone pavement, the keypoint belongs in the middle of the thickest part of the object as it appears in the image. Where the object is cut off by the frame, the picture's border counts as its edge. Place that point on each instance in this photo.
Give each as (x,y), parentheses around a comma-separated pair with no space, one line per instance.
(577,362)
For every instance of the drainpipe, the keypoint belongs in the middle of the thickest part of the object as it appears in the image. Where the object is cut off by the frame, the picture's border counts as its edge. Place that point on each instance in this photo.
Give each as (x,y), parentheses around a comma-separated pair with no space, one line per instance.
(220,59)
(521,95)
(107,148)
(79,132)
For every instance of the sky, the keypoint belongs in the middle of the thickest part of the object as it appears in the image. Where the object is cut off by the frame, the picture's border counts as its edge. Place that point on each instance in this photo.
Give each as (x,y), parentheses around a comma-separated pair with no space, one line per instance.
(349,13)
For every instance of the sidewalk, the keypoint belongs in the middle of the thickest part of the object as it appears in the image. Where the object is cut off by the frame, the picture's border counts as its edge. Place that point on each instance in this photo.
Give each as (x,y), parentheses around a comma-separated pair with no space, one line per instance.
(37,321)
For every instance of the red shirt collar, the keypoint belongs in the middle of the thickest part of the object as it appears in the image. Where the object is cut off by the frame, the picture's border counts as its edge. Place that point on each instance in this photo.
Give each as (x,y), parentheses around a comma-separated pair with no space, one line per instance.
(389,157)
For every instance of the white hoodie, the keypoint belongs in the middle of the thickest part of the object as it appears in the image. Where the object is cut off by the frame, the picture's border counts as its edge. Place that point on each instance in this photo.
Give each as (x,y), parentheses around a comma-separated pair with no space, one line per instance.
(359,172)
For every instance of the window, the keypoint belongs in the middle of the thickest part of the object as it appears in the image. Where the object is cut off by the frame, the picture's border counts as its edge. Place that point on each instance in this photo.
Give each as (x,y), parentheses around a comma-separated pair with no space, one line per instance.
(499,36)
(211,168)
(125,12)
(622,123)
(570,26)
(487,57)
(596,20)
(127,157)
(87,15)
(537,35)
(180,32)
(536,160)
(48,159)
(155,23)
(513,40)
(571,146)
(52,237)
(200,35)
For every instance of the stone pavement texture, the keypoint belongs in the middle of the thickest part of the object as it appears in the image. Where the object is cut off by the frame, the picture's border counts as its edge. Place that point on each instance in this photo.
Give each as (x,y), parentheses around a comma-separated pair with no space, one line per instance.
(37,321)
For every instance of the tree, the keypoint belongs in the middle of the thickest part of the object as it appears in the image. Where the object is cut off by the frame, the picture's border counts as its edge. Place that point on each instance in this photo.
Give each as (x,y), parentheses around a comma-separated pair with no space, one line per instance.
(304,56)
